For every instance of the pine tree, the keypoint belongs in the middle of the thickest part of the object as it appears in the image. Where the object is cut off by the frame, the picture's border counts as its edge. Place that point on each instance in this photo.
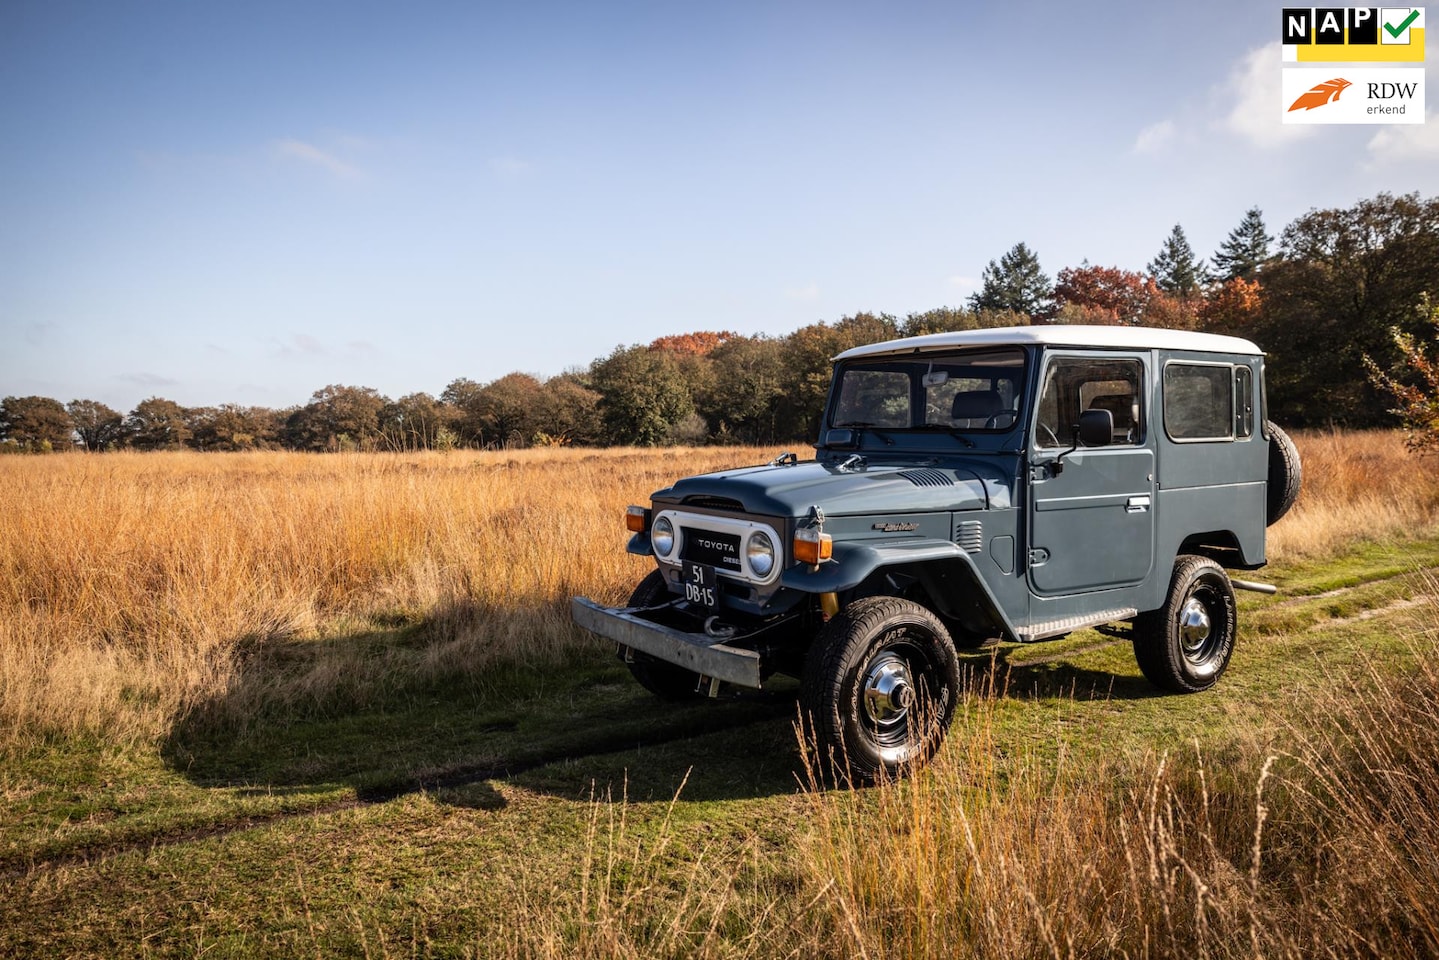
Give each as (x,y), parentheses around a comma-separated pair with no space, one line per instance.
(1015,283)
(1175,270)
(1246,249)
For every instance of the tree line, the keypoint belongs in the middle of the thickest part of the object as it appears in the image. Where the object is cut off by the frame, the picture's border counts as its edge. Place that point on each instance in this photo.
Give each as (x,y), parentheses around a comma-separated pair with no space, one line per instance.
(1337,301)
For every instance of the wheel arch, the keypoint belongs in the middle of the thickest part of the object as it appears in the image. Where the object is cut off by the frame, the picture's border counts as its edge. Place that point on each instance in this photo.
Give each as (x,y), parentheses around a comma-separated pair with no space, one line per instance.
(947,574)
(1222,546)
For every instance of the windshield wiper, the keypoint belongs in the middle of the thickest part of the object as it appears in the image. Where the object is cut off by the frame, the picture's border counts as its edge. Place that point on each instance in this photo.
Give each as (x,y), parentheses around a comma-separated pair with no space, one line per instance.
(952,431)
(866,425)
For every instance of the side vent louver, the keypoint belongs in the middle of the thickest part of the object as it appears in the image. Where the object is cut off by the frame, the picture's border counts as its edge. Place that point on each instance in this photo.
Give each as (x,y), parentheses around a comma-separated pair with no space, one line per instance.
(969,535)
(927,478)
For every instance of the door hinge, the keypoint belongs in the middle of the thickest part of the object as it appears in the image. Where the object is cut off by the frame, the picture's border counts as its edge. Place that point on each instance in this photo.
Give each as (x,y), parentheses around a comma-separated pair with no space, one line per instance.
(1038,556)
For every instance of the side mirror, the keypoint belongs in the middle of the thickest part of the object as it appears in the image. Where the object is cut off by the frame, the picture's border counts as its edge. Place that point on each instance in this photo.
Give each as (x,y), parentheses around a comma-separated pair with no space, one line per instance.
(1096,428)
(839,439)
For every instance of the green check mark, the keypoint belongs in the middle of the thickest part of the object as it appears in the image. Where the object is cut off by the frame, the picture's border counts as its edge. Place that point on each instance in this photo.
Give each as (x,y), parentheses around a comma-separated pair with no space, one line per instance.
(1395,31)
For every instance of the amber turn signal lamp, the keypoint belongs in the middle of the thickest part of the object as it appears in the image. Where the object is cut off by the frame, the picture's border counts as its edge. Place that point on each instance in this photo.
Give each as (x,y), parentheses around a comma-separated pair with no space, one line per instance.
(811,546)
(637,519)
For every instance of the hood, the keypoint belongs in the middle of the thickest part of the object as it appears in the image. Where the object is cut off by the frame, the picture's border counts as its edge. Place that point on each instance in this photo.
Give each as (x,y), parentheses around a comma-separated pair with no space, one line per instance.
(790,490)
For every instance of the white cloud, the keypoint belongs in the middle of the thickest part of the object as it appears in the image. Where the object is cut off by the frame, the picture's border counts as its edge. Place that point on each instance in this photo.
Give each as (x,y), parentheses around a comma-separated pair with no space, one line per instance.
(311,154)
(1155,137)
(963,283)
(1253,86)
(808,292)
(1402,143)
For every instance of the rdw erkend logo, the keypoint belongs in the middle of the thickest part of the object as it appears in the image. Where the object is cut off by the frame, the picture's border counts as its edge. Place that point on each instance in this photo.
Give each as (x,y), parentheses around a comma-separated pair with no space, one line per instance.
(1358,95)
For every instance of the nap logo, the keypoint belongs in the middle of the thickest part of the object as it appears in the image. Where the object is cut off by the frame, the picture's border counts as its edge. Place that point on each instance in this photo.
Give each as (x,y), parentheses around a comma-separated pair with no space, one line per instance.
(1352,34)
(1359,95)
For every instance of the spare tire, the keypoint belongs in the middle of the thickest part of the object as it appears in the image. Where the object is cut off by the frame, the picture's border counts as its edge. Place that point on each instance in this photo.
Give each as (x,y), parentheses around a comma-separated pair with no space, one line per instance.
(1285,473)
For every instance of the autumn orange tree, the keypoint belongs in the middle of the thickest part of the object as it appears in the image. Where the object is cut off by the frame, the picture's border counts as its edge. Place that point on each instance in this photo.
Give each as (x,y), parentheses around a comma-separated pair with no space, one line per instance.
(1416,385)
(1232,307)
(698,344)
(1104,295)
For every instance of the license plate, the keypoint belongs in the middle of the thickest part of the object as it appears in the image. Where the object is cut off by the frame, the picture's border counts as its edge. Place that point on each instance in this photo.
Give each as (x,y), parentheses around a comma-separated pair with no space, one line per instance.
(701,585)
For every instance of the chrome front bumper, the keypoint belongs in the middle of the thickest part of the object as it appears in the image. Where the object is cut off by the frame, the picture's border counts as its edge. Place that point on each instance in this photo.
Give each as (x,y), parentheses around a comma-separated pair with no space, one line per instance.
(693,651)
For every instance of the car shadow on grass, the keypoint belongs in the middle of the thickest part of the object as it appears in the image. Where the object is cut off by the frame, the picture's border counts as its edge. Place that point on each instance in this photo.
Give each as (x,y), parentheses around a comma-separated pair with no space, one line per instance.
(570,728)
(1014,671)
(578,728)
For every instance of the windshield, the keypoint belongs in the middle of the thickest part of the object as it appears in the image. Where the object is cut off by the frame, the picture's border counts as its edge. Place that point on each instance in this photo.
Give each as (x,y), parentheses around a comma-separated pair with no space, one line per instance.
(973,391)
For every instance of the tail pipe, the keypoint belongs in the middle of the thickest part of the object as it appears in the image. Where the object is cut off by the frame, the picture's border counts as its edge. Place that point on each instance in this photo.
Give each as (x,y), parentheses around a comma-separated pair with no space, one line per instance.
(1256,587)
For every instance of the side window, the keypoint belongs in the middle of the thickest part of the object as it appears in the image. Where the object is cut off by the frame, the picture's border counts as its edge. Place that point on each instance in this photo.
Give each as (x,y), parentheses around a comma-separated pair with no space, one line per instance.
(1199,401)
(1075,384)
(1243,402)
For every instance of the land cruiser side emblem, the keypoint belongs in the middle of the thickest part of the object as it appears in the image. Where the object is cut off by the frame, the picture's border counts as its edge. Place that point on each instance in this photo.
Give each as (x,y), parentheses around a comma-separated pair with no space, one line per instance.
(895,527)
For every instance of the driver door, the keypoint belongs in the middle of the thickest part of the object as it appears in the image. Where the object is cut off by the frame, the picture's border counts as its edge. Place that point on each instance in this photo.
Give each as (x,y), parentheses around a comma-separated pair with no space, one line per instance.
(1092,510)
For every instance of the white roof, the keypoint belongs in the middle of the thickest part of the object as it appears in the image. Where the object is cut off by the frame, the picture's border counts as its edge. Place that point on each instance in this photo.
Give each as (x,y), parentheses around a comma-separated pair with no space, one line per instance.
(1063,335)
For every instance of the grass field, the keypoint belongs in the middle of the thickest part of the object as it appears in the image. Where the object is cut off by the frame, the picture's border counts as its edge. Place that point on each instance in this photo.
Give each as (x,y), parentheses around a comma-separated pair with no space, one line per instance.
(261,704)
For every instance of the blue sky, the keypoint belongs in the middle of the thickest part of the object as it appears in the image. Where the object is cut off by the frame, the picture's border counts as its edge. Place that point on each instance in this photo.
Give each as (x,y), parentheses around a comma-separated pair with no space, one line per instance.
(246,202)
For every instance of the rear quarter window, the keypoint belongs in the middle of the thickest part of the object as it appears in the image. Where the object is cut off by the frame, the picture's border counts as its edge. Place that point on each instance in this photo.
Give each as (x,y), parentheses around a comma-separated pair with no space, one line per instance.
(1199,401)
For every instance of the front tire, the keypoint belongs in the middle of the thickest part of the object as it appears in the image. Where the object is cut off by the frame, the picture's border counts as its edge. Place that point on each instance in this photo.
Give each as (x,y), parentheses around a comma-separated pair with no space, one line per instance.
(880,684)
(664,680)
(1185,645)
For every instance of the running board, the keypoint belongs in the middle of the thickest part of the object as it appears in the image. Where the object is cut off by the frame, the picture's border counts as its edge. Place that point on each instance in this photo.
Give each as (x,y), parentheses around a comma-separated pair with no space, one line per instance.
(1056,628)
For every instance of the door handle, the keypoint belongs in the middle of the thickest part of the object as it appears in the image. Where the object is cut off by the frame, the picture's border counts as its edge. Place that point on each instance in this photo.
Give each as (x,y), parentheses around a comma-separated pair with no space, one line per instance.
(1137,505)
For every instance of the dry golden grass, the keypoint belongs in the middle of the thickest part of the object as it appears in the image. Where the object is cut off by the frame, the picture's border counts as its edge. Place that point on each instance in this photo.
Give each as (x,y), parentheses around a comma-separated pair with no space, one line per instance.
(1356,486)
(135,586)
(128,582)
(131,584)
(1326,846)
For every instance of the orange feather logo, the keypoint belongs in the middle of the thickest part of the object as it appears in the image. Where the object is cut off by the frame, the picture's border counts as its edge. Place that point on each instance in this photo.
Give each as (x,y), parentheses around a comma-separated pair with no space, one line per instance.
(1321,94)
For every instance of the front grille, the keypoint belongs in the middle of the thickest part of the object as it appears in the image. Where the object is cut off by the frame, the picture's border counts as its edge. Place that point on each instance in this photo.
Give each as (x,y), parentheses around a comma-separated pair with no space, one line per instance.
(927,478)
(720,550)
(713,503)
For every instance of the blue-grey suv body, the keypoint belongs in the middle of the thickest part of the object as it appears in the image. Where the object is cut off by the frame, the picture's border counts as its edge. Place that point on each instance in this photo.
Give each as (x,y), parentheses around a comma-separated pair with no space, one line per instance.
(1014,484)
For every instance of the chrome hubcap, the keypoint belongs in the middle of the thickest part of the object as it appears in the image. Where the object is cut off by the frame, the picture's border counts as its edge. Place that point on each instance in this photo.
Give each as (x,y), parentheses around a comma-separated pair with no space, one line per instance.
(888,693)
(1194,628)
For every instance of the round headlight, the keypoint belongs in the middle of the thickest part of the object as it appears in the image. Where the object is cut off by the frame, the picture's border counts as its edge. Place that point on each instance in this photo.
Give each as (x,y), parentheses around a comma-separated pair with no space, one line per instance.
(662,535)
(760,553)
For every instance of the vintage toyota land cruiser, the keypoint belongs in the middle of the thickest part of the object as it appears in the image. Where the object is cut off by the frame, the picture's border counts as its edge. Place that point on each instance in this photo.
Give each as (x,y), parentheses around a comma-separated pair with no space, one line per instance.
(1013,484)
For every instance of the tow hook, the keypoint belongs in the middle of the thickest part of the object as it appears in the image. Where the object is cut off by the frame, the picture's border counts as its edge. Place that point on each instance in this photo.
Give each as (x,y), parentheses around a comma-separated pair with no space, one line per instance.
(720,631)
